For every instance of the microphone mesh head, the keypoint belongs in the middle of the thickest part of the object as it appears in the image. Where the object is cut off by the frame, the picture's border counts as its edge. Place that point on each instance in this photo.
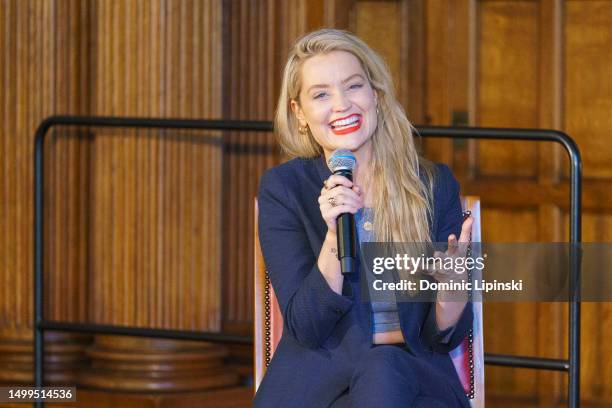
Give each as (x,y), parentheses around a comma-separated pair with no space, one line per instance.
(341,159)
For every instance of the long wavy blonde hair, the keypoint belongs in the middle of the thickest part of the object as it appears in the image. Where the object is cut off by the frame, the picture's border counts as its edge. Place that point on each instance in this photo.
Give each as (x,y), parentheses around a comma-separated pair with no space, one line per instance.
(402,202)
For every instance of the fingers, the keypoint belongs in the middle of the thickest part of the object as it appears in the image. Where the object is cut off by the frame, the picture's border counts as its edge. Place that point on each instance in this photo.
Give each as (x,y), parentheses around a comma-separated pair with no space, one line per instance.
(344,193)
(330,214)
(356,189)
(332,205)
(334,212)
(452,245)
(339,195)
(466,229)
(336,180)
(464,237)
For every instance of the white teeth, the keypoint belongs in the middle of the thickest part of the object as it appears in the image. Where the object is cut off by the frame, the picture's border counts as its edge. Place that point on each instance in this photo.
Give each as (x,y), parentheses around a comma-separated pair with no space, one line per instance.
(345,122)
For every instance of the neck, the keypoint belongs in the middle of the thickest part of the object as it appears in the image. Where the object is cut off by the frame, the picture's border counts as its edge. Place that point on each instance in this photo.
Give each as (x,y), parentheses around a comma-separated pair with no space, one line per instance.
(362,172)
(363,157)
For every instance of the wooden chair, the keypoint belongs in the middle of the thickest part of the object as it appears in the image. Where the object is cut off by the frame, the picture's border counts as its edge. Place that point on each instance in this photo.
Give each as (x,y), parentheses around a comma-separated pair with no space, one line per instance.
(468,357)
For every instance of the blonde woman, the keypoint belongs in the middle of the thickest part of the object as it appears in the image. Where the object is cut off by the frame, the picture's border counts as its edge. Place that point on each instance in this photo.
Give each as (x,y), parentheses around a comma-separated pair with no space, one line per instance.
(339,348)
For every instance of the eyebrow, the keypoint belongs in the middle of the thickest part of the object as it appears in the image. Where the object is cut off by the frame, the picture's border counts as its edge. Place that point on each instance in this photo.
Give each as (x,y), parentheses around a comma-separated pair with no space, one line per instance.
(343,81)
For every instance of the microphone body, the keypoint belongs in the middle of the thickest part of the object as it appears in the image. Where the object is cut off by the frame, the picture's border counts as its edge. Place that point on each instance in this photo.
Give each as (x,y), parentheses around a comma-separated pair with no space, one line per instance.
(347,237)
(345,223)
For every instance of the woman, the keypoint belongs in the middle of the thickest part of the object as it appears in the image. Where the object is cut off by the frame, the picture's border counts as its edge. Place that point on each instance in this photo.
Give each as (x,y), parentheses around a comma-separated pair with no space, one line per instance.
(339,349)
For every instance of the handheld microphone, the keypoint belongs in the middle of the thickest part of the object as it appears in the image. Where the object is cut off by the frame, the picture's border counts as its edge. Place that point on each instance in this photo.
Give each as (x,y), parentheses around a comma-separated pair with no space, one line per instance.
(342,162)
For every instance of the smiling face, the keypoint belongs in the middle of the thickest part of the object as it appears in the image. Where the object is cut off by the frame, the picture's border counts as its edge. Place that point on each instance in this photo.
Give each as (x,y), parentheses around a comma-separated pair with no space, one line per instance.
(337,103)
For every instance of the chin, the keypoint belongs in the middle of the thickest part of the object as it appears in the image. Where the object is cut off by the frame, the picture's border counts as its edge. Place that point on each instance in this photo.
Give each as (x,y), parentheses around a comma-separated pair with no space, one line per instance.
(350,144)
(347,141)
(345,146)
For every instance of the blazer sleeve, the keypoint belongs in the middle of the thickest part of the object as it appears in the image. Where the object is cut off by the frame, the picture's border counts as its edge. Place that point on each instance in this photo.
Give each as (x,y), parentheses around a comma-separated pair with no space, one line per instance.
(310,308)
(450,220)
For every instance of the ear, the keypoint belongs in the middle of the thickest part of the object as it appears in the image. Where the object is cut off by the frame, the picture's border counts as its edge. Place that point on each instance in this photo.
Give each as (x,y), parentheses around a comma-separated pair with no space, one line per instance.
(298,112)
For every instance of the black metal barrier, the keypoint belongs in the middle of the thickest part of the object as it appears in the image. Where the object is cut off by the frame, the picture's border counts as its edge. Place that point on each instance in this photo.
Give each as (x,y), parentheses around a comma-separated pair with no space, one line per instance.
(570,365)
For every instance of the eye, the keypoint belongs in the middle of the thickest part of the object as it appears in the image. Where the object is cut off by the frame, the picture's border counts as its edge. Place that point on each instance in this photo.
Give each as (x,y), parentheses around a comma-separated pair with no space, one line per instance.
(319,95)
(356,86)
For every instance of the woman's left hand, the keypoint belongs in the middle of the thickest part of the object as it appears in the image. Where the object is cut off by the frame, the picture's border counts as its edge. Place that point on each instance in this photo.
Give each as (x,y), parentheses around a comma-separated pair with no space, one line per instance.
(456,249)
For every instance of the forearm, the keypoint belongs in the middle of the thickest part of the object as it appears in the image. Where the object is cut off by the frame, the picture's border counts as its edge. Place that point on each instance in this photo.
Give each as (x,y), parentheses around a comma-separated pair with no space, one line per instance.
(449,306)
(328,263)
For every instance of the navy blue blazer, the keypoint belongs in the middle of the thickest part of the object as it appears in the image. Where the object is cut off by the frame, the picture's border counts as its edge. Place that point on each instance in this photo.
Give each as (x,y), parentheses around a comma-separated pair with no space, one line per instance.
(325,333)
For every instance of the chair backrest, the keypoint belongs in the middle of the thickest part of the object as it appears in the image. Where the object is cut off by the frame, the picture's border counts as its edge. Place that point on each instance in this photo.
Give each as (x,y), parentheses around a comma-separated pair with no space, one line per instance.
(267,317)
(468,357)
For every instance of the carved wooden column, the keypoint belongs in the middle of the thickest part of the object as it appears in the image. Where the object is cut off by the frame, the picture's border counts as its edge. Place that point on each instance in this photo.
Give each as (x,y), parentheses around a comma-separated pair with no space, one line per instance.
(64,356)
(156,200)
(43,69)
(126,363)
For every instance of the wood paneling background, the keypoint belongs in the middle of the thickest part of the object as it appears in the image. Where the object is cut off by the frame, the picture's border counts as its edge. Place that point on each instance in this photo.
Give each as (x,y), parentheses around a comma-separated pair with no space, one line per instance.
(529,64)
(154,228)
(134,218)
(156,203)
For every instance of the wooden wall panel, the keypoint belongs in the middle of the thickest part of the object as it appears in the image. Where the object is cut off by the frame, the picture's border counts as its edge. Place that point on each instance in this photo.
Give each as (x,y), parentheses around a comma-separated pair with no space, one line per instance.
(588,82)
(400,42)
(133,223)
(38,79)
(67,185)
(504,321)
(526,80)
(259,36)
(596,363)
(449,76)
(586,105)
(507,83)
(367,16)
(528,66)
(555,105)
(248,85)
(156,197)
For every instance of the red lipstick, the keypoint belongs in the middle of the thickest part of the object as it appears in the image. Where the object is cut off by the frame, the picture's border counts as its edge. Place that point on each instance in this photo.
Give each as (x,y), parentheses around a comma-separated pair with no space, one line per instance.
(347,124)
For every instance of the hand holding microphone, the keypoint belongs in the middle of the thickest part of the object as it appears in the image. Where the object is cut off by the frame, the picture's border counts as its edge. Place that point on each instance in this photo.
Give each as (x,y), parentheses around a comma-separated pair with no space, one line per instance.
(340,199)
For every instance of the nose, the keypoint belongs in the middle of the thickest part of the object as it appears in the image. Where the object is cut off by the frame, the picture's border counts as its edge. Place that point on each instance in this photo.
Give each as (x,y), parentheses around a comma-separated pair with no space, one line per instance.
(341,102)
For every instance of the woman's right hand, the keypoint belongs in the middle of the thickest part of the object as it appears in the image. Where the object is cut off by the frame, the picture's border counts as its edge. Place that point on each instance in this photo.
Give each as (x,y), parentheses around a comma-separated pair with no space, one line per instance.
(339,195)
